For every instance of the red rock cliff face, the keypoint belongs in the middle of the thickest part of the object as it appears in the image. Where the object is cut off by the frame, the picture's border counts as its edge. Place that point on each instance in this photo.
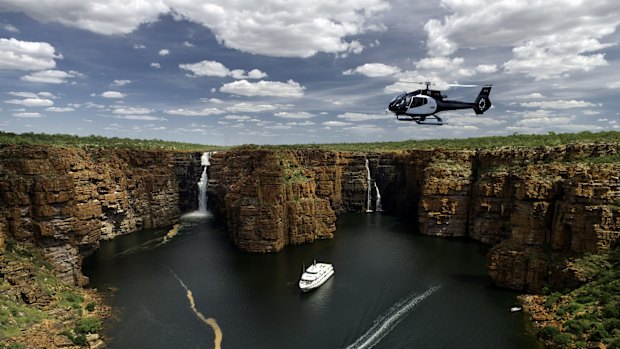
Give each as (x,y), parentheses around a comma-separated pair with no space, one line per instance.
(66,200)
(537,207)
(275,198)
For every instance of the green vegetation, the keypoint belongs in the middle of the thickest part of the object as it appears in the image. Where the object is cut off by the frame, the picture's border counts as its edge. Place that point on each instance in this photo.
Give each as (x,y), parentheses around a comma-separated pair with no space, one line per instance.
(291,171)
(83,326)
(590,313)
(54,300)
(14,315)
(99,141)
(515,140)
(493,142)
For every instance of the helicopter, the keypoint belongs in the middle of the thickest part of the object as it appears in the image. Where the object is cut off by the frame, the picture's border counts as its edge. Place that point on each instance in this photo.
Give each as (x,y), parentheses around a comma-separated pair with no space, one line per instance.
(418,105)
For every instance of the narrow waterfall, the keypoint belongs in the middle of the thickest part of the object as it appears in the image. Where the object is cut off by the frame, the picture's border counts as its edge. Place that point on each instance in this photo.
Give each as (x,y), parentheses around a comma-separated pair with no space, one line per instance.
(370,185)
(369,188)
(204,182)
(378,207)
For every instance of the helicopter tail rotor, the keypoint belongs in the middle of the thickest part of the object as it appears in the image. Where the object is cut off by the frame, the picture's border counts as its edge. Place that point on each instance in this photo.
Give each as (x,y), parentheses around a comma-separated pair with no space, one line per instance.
(483,103)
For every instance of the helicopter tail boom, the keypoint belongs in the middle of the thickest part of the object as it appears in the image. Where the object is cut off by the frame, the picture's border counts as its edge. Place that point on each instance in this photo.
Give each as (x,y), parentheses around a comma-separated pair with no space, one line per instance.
(483,103)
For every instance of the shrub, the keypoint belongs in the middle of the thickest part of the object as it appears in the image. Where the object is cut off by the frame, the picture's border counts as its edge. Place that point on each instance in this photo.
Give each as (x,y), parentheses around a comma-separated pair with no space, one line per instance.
(562,339)
(598,335)
(611,311)
(88,325)
(585,299)
(553,299)
(614,344)
(575,326)
(90,306)
(548,332)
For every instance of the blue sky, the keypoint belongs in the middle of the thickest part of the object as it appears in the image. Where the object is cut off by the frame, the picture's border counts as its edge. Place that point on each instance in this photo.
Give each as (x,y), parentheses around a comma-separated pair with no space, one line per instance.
(273,72)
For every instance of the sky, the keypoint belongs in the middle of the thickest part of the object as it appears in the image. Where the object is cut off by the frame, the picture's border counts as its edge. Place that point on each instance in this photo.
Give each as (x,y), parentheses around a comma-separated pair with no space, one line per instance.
(289,72)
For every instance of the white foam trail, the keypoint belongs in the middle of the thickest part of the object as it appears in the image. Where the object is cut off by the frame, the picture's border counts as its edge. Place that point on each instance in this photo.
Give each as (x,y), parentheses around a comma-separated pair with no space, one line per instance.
(387,321)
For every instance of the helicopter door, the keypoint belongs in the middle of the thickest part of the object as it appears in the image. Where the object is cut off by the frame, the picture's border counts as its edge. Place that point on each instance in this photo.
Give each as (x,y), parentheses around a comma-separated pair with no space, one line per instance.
(422,105)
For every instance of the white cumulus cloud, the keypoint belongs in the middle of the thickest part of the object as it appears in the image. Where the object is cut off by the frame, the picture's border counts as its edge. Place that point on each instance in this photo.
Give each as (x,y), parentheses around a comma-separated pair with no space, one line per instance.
(99,16)
(252,74)
(361,117)
(294,115)
(164,52)
(10,28)
(373,70)
(264,88)
(29,115)
(132,111)
(217,69)
(549,38)
(31,102)
(244,107)
(120,82)
(51,76)
(112,94)
(333,123)
(27,55)
(269,27)
(206,68)
(558,104)
(60,109)
(195,112)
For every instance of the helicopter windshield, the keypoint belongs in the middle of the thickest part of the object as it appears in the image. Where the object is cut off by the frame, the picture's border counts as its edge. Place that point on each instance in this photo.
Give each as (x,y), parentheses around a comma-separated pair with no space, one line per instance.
(399,97)
(399,103)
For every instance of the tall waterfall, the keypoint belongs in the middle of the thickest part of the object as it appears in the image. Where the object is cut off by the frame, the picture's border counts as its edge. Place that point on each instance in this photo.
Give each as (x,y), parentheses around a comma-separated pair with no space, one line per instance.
(370,185)
(205,160)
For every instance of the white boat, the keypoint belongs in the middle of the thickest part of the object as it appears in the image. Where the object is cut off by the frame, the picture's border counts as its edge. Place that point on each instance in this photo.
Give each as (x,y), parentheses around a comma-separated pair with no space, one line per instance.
(515,309)
(315,275)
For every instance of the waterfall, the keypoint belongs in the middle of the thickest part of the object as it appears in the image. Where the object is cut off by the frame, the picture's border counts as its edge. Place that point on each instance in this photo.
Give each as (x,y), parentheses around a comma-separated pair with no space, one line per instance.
(370,185)
(369,188)
(378,207)
(204,182)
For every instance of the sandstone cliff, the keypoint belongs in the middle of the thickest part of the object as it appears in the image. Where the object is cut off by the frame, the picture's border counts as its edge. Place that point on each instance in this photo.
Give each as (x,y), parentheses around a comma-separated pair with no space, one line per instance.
(64,200)
(536,207)
(272,199)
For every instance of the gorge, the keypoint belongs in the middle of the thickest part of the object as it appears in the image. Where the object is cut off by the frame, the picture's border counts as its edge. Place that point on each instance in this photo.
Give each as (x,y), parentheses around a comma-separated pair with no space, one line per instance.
(536,208)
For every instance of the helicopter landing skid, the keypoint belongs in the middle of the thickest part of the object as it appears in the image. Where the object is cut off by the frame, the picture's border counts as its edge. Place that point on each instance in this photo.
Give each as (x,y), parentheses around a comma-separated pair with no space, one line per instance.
(422,120)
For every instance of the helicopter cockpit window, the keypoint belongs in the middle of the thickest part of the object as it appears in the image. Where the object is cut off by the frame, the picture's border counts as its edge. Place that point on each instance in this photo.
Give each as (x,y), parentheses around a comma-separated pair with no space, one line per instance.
(417,102)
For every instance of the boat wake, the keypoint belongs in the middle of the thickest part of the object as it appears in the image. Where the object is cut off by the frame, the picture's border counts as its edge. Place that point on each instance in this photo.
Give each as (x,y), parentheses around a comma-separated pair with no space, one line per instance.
(217,331)
(389,320)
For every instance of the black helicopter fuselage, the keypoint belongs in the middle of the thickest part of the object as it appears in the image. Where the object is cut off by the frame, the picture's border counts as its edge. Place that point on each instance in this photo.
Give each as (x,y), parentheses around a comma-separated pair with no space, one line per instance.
(419,104)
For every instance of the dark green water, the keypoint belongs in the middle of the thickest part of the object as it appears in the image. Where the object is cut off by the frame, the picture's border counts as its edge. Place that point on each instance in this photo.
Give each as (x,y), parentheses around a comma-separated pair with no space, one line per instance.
(391,289)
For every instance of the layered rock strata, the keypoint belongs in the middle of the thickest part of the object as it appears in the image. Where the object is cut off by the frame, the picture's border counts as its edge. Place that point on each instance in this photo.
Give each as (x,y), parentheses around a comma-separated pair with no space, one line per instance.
(64,200)
(272,199)
(536,207)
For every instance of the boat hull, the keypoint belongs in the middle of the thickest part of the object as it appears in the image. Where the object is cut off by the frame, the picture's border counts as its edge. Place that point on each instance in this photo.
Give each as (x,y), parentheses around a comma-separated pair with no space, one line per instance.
(315,276)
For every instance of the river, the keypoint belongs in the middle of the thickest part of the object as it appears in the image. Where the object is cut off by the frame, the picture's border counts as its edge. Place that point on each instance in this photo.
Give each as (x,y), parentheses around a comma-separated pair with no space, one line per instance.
(391,289)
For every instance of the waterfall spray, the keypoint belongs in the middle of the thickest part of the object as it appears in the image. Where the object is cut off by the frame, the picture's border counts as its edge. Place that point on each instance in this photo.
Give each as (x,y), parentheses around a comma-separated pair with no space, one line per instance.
(205,160)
